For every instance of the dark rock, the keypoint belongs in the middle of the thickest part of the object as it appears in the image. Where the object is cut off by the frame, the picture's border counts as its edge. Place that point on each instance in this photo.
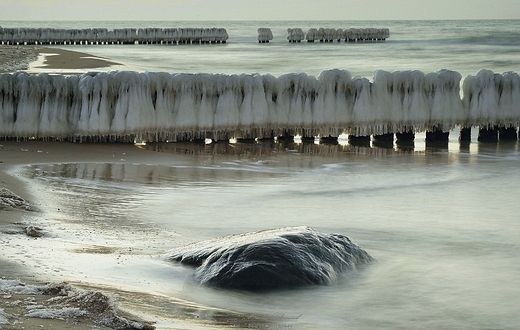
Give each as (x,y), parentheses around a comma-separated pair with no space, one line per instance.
(271,259)
(34,231)
(9,201)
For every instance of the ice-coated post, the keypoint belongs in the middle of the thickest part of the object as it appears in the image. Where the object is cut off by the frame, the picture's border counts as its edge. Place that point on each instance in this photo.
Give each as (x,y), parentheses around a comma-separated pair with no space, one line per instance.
(488,134)
(437,135)
(507,133)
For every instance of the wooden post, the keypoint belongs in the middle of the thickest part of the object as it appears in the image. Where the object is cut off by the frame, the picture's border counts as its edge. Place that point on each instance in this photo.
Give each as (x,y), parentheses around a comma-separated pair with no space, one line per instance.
(509,133)
(465,134)
(488,134)
(383,140)
(437,135)
(361,141)
(329,139)
(408,136)
(384,137)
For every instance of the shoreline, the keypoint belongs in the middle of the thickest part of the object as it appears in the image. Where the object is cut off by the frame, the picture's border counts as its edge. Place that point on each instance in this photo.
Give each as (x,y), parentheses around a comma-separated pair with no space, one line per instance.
(16,303)
(135,307)
(37,59)
(16,300)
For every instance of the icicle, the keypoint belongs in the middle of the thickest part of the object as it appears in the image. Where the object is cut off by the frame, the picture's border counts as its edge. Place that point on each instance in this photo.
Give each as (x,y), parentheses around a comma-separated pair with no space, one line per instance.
(124,106)
(444,99)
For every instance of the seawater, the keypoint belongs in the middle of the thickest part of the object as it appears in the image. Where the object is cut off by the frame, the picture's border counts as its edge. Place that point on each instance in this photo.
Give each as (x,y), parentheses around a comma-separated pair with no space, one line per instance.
(465,46)
(442,221)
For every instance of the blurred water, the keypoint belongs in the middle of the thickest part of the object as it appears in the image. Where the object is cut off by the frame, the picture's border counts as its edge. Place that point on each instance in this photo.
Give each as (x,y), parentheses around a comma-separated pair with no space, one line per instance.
(441,221)
(463,46)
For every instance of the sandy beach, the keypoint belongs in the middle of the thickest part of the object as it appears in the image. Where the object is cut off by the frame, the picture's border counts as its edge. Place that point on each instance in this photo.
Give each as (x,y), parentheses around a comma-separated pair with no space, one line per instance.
(17,206)
(26,300)
(13,58)
(35,59)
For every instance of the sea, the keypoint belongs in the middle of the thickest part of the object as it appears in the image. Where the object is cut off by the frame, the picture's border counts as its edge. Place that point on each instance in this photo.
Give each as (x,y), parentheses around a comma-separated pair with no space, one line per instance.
(441,220)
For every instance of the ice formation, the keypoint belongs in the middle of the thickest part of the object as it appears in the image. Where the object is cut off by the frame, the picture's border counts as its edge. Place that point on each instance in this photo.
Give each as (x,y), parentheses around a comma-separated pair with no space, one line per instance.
(264,35)
(492,99)
(295,35)
(10,201)
(32,36)
(66,302)
(271,259)
(349,35)
(3,317)
(156,106)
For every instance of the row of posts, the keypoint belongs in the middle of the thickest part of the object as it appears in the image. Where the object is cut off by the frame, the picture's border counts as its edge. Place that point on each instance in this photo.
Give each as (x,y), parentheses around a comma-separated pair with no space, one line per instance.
(485,134)
(101,36)
(328,35)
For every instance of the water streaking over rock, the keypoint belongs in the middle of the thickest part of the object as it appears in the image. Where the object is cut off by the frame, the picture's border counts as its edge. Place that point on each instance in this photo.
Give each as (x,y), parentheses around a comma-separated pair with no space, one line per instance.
(271,259)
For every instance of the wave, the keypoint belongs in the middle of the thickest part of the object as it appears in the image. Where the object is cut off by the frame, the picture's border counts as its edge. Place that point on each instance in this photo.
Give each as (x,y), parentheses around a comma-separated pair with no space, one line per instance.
(272,259)
(157,106)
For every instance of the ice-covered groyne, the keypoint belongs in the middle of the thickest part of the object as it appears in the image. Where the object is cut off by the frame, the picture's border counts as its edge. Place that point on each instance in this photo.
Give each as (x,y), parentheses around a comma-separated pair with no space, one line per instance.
(50,36)
(347,35)
(295,35)
(272,259)
(265,35)
(155,106)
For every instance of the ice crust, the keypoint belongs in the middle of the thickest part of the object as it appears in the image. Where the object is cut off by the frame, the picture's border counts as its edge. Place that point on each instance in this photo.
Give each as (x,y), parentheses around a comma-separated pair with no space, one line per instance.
(158,106)
(10,201)
(66,302)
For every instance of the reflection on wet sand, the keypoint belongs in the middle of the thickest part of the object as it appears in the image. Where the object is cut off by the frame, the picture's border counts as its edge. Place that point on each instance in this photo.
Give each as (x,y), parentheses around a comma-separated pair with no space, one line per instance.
(171,310)
(126,209)
(255,158)
(269,147)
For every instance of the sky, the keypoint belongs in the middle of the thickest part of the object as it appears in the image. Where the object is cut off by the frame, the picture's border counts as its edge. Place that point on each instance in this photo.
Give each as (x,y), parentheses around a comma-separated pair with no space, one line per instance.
(257,10)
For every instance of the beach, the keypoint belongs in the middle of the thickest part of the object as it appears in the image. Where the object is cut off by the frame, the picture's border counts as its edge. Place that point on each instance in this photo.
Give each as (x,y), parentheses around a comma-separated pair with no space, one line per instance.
(14,58)
(22,291)
(35,59)
(439,217)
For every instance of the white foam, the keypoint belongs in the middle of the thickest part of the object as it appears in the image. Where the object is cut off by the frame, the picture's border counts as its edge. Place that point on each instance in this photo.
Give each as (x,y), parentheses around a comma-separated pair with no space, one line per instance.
(3,317)
(55,313)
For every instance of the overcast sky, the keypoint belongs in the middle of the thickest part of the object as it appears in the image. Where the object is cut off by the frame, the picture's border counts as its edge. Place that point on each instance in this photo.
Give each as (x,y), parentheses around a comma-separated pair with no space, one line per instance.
(257,10)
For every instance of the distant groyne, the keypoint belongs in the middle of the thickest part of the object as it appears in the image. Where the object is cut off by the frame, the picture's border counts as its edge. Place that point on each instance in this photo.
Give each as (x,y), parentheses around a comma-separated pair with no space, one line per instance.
(331,34)
(99,36)
(156,106)
(174,36)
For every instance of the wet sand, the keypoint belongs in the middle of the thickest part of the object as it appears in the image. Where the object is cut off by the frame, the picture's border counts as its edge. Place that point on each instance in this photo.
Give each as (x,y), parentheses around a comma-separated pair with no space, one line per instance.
(34,59)
(66,59)
(134,306)
(14,220)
